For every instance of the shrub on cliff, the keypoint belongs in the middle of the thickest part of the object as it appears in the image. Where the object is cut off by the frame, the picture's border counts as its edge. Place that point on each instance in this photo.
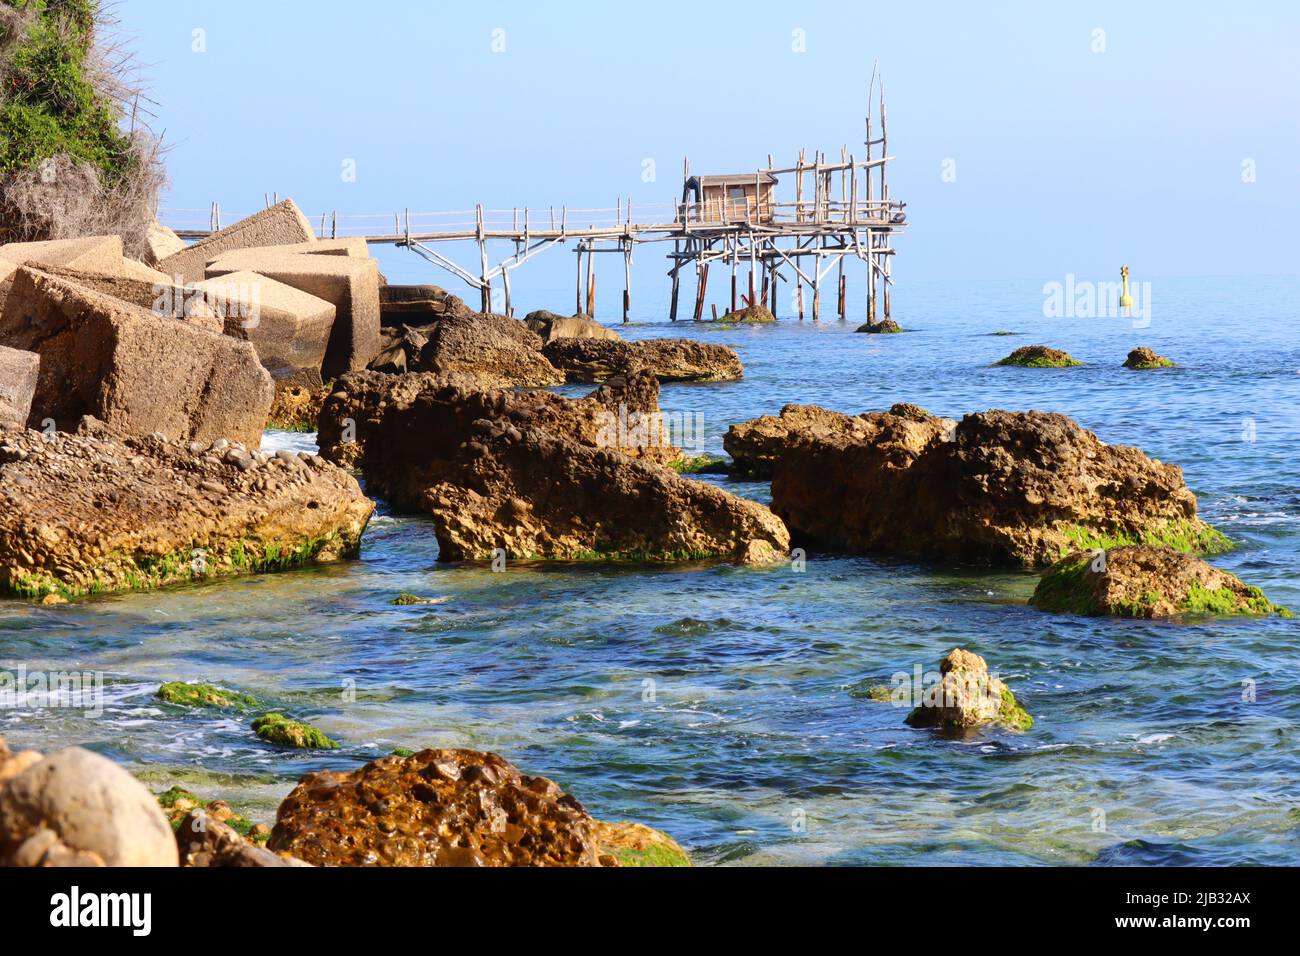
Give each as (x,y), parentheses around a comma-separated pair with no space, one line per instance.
(67,166)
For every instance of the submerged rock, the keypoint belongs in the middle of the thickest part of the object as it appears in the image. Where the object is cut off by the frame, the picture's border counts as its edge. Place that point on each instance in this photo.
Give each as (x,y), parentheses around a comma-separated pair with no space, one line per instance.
(205,695)
(435,808)
(96,511)
(1144,358)
(885,326)
(1146,582)
(966,697)
(1038,356)
(276,728)
(1001,487)
(669,360)
(550,327)
(751,313)
(76,808)
(454,808)
(539,476)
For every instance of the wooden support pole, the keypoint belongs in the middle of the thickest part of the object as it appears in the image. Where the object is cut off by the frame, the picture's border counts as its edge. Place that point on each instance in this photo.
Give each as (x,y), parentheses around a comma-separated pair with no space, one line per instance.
(843,290)
(771,271)
(627,279)
(486,287)
(817,283)
(734,262)
(677,281)
(577,286)
(700,290)
(505,282)
(888,269)
(753,271)
(591,282)
(871,271)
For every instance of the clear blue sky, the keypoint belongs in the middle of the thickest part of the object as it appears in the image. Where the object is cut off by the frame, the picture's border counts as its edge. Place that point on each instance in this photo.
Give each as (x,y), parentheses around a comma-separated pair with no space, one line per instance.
(1067,160)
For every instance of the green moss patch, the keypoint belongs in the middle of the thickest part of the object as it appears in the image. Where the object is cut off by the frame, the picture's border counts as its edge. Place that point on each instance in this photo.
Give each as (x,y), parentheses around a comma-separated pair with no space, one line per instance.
(1190,537)
(276,728)
(1011,714)
(206,695)
(177,803)
(142,571)
(655,855)
(701,465)
(407,600)
(1039,356)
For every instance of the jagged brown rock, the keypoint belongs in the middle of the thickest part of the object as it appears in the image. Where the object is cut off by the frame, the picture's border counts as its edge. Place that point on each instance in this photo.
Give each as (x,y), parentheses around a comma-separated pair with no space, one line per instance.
(405,305)
(537,475)
(99,511)
(434,808)
(299,395)
(670,360)
(756,445)
(1001,487)
(498,352)
(1145,582)
(550,326)
(622,414)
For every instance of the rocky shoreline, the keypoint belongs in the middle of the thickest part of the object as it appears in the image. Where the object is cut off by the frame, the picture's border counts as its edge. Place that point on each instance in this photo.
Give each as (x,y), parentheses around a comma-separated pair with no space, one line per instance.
(132,404)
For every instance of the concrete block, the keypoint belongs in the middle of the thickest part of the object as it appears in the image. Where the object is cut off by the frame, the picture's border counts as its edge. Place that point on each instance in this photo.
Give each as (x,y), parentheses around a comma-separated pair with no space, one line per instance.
(281,224)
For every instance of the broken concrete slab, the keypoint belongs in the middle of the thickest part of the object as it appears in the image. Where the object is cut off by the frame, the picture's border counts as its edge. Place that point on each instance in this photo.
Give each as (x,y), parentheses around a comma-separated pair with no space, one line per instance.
(160,243)
(350,283)
(138,372)
(18,373)
(163,299)
(96,255)
(289,328)
(281,224)
(353,246)
(101,254)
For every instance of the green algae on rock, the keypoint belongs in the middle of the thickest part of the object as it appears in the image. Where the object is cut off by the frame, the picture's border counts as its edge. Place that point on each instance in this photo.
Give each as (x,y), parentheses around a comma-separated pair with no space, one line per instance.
(1141,581)
(700,465)
(205,695)
(408,600)
(883,327)
(1039,356)
(178,803)
(967,696)
(276,728)
(1142,358)
(751,313)
(636,845)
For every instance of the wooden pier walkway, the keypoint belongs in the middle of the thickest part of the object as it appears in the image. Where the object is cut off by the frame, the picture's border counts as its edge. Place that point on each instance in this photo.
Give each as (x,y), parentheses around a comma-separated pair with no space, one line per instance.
(737,220)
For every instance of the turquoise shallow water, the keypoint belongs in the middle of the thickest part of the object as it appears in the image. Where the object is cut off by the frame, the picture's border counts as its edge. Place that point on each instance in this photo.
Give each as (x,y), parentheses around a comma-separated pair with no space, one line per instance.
(717,703)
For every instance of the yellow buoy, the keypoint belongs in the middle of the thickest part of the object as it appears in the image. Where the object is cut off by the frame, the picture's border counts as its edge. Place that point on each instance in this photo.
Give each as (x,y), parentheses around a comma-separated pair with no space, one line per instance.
(1125,300)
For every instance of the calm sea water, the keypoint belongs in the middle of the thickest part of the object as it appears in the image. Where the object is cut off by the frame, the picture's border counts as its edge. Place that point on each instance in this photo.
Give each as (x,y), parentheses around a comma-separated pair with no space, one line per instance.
(718,703)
